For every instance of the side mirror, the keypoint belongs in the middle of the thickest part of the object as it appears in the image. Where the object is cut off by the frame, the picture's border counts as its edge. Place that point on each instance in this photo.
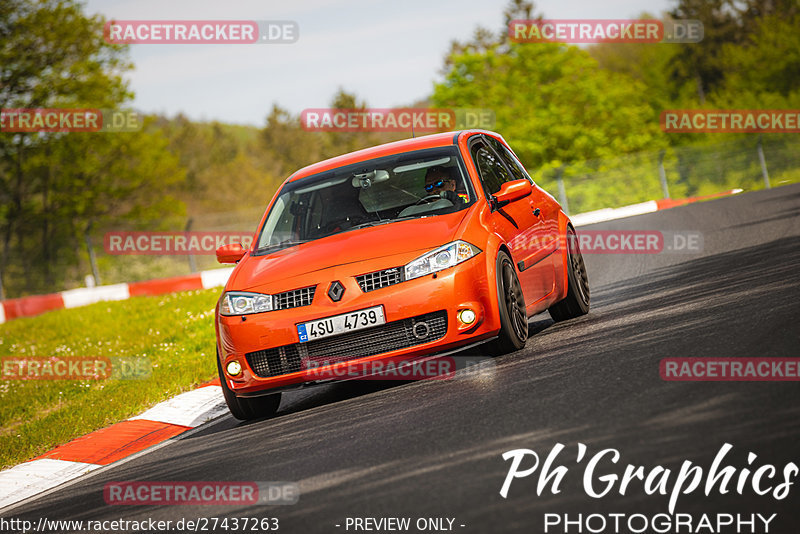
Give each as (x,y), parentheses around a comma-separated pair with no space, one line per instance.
(230,253)
(511,191)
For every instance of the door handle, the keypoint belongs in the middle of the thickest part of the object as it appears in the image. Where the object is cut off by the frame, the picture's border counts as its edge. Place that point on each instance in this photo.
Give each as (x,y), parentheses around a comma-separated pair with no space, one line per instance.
(537,212)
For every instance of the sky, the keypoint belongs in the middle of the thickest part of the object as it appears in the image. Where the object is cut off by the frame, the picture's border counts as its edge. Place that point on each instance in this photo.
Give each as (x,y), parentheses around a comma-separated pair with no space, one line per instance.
(388,53)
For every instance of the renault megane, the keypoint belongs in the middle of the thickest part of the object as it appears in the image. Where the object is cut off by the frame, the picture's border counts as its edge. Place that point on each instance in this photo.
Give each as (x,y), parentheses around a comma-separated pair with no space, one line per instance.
(402,251)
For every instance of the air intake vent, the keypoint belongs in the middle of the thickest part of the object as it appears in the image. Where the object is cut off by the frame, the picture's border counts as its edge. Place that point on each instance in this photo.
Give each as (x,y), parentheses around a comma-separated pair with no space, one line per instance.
(391,336)
(372,281)
(294,298)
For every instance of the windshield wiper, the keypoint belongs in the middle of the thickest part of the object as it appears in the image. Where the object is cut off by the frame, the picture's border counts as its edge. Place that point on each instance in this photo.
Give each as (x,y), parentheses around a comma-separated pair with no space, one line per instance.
(383,221)
(283,244)
(368,224)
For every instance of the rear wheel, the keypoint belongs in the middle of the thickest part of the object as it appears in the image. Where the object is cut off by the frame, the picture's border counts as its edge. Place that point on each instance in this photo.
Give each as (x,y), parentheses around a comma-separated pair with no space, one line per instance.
(576,303)
(246,409)
(513,317)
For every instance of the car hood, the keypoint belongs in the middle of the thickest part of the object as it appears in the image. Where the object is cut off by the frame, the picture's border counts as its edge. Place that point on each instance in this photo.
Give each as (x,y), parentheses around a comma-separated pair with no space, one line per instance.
(356,246)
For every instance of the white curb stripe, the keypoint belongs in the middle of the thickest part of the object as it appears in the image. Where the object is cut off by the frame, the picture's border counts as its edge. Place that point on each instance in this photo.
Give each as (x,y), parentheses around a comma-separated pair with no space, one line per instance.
(190,409)
(609,214)
(215,277)
(82,296)
(30,478)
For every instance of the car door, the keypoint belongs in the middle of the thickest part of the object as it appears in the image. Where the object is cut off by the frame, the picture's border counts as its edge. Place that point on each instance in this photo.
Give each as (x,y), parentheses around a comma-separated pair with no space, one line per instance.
(544,233)
(515,222)
(546,230)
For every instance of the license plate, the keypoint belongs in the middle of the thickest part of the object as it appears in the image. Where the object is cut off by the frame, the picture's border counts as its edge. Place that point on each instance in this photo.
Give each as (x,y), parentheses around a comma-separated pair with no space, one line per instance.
(339,324)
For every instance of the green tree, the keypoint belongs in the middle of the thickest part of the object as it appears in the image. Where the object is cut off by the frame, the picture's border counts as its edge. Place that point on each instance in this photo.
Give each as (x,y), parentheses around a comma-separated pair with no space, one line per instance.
(768,61)
(650,64)
(553,102)
(83,183)
(227,168)
(54,186)
(289,146)
(556,106)
(700,63)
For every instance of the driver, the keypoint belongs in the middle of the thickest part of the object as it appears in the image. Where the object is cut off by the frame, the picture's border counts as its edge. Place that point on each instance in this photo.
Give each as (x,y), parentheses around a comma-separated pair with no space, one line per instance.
(439,181)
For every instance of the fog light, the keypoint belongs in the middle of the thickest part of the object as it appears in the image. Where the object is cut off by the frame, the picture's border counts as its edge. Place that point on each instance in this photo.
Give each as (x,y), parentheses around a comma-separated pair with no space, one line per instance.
(234,368)
(466,316)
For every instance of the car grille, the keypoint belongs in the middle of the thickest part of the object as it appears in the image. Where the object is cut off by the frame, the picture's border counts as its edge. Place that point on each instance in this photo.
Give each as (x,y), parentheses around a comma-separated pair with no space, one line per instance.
(379,279)
(391,336)
(274,362)
(294,298)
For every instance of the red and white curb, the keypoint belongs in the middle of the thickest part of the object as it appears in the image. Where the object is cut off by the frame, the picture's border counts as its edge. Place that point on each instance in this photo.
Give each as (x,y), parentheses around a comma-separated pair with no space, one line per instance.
(28,479)
(610,214)
(111,444)
(651,206)
(73,298)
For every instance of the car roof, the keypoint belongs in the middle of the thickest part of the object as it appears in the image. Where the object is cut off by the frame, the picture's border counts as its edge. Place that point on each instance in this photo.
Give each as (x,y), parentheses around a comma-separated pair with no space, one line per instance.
(388,149)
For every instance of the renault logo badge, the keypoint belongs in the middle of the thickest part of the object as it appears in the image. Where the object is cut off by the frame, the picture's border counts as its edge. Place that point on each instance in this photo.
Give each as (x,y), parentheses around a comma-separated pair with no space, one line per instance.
(336,291)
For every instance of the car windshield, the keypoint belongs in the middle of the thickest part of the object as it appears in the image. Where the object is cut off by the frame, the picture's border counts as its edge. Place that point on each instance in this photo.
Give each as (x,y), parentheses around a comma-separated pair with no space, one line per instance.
(378,191)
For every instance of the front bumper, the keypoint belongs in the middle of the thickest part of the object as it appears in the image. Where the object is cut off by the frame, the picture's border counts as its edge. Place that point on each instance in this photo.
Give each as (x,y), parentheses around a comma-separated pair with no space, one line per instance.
(272,358)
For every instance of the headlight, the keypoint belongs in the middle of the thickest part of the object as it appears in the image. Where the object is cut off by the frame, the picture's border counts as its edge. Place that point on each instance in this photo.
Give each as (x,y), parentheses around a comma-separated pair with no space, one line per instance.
(239,303)
(443,257)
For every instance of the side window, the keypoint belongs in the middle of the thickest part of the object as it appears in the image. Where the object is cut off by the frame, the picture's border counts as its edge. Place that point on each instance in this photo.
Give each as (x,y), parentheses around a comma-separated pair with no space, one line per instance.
(492,172)
(516,167)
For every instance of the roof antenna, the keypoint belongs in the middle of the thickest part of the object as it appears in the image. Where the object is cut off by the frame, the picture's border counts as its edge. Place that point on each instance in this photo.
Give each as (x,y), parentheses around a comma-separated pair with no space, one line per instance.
(412,130)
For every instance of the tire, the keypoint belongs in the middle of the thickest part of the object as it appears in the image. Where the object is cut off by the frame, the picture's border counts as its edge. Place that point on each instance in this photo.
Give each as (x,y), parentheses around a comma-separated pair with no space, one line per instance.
(247,409)
(576,303)
(513,317)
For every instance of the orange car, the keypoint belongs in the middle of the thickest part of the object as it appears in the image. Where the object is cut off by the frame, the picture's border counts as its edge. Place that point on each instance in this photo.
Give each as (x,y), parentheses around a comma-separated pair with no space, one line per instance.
(401,251)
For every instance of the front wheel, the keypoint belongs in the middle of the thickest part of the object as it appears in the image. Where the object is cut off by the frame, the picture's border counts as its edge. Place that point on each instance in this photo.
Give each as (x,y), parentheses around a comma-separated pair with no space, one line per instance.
(246,409)
(513,317)
(576,303)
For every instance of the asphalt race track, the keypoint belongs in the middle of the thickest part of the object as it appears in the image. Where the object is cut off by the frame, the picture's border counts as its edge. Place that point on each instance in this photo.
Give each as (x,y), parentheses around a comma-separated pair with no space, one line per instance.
(434,448)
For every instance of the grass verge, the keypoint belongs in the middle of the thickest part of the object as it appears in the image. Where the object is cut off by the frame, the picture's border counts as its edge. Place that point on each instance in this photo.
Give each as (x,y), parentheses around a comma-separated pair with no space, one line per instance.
(174,332)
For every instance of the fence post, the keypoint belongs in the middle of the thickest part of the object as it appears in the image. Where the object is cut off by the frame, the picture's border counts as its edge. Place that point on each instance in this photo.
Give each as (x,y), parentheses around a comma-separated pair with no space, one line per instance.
(192,262)
(662,174)
(562,191)
(763,162)
(92,259)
